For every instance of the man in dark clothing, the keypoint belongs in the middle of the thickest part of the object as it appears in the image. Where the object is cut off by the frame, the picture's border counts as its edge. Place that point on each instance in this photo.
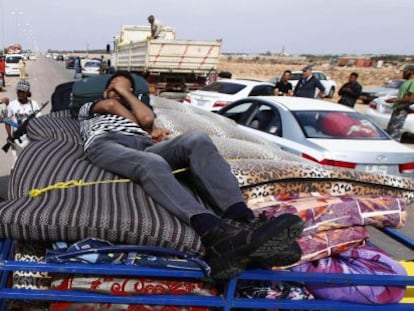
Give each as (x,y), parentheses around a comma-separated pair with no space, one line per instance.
(284,87)
(307,85)
(350,91)
(119,136)
(401,104)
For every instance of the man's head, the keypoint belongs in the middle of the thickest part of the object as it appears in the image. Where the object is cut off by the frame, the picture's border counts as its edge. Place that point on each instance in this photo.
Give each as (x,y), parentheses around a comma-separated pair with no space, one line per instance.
(120,78)
(353,77)
(286,75)
(307,71)
(408,72)
(151,19)
(23,90)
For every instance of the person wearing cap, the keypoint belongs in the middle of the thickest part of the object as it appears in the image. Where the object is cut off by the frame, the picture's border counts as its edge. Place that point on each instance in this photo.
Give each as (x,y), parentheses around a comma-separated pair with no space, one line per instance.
(19,109)
(401,104)
(307,85)
(156,28)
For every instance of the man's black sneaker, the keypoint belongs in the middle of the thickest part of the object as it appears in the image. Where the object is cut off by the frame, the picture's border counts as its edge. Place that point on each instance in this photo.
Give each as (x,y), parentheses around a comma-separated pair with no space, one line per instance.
(230,249)
(277,251)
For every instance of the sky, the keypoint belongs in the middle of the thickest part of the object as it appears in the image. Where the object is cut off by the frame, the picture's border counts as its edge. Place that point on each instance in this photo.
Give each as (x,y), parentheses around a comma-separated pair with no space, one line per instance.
(245,26)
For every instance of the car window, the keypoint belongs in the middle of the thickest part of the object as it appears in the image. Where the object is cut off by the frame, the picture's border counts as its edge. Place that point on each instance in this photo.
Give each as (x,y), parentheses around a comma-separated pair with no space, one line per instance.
(337,125)
(321,76)
(91,64)
(224,87)
(262,90)
(295,76)
(13,59)
(395,84)
(267,119)
(238,112)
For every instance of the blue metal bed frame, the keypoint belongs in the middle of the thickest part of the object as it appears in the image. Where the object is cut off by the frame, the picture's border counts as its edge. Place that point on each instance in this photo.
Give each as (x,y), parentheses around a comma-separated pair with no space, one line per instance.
(225,302)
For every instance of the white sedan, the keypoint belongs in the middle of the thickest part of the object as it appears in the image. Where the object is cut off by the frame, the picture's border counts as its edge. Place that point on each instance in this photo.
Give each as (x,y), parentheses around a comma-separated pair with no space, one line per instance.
(91,68)
(223,92)
(379,111)
(324,132)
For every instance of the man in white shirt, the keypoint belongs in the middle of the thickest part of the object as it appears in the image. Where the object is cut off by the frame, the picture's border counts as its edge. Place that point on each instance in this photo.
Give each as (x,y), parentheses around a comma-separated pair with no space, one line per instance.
(17,111)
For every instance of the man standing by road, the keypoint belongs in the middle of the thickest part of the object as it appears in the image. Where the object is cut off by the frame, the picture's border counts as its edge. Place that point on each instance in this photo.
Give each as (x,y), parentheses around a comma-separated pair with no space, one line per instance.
(3,70)
(17,111)
(350,91)
(284,87)
(402,103)
(308,84)
(156,28)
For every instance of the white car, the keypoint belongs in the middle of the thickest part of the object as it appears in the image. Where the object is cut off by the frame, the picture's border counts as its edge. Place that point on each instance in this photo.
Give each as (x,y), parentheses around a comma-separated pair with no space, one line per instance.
(323,132)
(330,85)
(223,92)
(91,68)
(12,64)
(379,111)
(390,88)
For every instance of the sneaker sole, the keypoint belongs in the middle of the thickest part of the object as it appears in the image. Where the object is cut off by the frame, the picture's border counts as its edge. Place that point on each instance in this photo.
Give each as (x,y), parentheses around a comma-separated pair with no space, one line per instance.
(289,228)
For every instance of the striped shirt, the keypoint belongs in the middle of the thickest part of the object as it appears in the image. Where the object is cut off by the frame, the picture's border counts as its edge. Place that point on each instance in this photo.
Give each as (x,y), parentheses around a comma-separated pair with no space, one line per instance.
(93,125)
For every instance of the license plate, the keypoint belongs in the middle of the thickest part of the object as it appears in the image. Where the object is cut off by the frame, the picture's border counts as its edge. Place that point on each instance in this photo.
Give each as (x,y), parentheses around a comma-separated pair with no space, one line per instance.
(201,102)
(380,169)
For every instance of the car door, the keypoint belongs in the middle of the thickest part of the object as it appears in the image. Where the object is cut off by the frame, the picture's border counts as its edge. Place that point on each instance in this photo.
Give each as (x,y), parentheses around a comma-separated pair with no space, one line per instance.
(240,111)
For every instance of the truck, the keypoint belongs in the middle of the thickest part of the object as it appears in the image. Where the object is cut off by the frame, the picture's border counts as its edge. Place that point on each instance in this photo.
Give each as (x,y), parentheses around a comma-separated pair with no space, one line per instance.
(171,67)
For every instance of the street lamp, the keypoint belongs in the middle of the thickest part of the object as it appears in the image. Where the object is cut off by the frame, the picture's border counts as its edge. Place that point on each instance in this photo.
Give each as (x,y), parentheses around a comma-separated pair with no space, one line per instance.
(16,14)
(2,26)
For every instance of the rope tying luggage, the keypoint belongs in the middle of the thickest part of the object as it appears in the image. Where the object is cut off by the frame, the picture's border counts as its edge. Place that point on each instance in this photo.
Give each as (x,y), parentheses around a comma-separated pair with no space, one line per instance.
(80,183)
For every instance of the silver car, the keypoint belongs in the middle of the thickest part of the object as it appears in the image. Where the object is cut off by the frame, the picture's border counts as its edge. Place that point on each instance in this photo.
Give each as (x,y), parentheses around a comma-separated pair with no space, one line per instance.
(324,132)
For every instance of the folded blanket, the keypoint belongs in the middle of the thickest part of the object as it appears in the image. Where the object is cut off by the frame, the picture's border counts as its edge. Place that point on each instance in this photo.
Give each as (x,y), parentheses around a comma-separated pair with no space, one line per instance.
(324,212)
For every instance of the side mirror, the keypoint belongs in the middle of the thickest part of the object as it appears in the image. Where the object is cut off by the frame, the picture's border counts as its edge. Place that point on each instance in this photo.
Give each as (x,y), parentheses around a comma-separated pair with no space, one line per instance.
(108,48)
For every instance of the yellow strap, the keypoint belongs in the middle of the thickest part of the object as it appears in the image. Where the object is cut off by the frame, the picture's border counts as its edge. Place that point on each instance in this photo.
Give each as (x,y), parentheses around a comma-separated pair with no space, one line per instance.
(79,183)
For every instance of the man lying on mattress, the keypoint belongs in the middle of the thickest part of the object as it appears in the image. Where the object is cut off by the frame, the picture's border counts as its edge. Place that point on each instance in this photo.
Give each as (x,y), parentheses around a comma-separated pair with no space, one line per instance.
(119,136)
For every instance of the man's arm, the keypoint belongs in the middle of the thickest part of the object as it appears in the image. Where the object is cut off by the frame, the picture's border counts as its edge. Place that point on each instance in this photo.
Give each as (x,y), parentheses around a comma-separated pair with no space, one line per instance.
(113,106)
(321,88)
(143,114)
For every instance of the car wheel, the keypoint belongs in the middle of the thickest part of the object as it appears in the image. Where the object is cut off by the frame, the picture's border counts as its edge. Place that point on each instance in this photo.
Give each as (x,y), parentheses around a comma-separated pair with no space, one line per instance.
(331,92)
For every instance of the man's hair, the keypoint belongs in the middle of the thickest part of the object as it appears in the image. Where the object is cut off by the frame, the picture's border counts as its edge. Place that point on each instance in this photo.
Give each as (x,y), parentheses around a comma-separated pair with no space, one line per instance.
(287,71)
(355,74)
(122,73)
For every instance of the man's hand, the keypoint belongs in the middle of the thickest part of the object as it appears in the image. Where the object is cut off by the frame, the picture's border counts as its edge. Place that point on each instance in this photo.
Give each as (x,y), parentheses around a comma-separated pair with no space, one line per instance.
(158,134)
(119,90)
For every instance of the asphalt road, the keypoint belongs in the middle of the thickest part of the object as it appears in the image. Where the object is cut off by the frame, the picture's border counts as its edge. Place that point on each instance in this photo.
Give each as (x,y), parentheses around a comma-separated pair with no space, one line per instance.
(45,74)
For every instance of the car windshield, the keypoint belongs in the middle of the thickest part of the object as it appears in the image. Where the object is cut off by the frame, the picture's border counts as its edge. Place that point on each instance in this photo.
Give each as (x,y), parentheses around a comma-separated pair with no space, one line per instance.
(337,125)
(395,84)
(91,64)
(224,87)
(13,59)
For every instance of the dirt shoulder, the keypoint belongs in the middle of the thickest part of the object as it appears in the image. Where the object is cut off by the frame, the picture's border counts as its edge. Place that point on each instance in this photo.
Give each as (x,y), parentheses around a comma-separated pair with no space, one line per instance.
(265,70)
